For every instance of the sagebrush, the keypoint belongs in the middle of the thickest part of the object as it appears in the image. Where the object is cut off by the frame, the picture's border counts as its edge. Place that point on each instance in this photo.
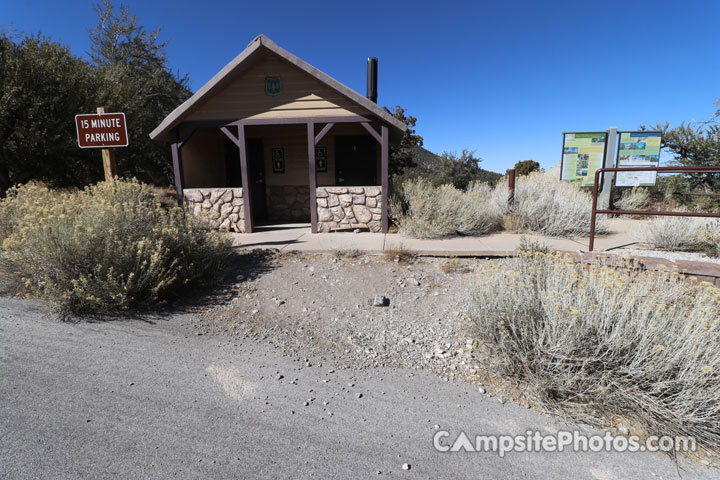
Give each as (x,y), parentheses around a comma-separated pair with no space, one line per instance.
(710,238)
(673,233)
(600,343)
(424,211)
(105,249)
(637,198)
(544,204)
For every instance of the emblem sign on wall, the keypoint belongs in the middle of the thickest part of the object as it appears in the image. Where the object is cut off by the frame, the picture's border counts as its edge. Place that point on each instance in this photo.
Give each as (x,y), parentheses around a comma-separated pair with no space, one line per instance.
(273,86)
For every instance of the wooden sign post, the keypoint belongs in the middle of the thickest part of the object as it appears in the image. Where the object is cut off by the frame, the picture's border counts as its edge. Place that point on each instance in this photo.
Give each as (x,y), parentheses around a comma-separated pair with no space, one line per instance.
(108,156)
(103,130)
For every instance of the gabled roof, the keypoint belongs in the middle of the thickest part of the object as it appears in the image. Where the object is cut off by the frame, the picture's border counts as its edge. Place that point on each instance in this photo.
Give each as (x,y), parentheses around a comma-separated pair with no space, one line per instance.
(238,63)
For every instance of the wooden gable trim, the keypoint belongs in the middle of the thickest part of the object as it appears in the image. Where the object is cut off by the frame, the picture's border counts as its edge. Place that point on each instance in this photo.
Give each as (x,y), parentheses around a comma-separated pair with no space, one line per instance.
(218,81)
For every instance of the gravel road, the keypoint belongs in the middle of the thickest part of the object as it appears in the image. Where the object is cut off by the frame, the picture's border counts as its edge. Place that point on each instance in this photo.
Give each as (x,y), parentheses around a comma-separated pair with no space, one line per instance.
(180,395)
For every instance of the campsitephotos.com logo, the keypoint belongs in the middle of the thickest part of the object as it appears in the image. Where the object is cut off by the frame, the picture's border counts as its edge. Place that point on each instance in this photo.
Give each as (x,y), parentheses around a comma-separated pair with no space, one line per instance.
(534,441)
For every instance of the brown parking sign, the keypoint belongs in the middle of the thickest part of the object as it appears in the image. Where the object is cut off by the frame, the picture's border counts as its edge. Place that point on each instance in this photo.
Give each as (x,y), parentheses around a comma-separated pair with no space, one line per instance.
(101,130)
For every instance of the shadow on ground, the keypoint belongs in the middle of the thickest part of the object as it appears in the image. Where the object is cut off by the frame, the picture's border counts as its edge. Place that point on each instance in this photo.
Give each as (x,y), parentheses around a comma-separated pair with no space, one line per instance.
(216,290)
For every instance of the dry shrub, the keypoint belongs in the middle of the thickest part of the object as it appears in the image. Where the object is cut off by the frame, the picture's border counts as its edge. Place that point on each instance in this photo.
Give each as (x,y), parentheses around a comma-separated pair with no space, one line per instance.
(543,204)
(528,245)
(637,198)
(105,249)
(600,343)
(426,211)
(673,233)
(709,237)
(399,254)
(451,265)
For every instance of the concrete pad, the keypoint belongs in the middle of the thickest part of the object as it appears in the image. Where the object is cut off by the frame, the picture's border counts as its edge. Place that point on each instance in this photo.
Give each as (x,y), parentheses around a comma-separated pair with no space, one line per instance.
(278,237)
(298,237)
(363,241)
(429,246)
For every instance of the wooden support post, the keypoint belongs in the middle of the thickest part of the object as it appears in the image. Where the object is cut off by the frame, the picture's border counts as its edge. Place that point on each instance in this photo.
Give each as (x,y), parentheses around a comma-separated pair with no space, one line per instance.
(245,175)
(108,156)
(385,179)
(313,177)
(177,165)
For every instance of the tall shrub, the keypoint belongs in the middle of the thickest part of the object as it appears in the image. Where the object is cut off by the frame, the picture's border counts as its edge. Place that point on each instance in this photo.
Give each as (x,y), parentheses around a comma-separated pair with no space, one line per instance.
(105,249)
(543,204)
(603,343)
(424,211)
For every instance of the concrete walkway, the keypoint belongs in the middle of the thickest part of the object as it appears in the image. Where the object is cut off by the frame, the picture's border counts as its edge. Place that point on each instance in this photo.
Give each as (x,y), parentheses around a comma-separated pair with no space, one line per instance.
(291,237)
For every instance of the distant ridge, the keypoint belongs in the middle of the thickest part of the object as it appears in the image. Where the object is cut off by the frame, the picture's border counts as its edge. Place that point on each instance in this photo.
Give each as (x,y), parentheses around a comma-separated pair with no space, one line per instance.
(426,160)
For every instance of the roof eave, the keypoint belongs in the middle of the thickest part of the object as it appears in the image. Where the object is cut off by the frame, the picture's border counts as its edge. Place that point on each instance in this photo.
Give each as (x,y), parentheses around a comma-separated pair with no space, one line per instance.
(175,117)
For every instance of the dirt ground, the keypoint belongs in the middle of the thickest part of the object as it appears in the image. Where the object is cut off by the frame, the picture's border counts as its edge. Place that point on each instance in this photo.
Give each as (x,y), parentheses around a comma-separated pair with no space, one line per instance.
(319,308)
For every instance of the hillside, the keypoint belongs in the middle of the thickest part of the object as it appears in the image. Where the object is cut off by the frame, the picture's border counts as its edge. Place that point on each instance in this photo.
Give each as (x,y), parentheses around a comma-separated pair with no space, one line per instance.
(427,163)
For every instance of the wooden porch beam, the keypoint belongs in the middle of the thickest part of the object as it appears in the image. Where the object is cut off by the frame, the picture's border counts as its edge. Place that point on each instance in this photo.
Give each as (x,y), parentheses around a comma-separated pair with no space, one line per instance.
(312,177)
(323,132)
(372,131)
(186,136)
(230,135)
(385,179)
(177,165)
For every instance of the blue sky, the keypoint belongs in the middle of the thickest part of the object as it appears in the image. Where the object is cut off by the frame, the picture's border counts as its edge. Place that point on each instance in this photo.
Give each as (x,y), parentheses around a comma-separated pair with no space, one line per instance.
(502,78)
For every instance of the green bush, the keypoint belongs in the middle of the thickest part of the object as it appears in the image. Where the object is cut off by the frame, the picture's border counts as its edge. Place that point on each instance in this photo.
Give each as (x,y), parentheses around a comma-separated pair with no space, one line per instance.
(526,167)
(424,211)
(105,249)
(599,343)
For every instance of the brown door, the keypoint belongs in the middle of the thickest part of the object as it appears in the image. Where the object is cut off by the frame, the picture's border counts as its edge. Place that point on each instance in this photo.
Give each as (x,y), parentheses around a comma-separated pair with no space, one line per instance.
(256,178)
(355,160)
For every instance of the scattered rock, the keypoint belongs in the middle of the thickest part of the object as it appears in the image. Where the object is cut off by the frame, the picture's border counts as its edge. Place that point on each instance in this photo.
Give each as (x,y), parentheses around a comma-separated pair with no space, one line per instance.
(406,466)
(481,390)
(622,429)
(381,301)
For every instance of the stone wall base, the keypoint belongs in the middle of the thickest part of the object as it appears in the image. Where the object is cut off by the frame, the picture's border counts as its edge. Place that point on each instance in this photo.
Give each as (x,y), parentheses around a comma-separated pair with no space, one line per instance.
(223,206)
(345,208)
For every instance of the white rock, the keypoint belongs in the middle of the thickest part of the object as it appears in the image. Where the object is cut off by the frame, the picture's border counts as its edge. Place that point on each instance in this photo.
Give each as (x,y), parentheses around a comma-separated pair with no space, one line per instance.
(381,301)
